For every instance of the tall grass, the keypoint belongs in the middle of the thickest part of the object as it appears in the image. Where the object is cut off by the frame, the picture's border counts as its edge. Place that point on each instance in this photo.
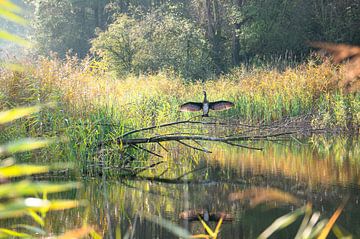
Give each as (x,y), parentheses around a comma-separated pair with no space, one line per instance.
(93,105)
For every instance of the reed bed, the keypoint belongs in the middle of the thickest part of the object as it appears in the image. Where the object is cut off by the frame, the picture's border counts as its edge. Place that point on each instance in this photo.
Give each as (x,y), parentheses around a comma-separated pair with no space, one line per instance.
(94,105)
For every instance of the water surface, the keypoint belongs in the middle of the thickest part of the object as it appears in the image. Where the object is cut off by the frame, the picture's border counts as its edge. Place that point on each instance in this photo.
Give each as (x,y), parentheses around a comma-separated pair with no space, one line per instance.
(321,170)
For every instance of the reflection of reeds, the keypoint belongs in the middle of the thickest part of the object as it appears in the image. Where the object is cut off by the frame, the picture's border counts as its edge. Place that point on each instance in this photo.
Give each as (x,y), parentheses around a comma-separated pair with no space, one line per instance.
(325,164)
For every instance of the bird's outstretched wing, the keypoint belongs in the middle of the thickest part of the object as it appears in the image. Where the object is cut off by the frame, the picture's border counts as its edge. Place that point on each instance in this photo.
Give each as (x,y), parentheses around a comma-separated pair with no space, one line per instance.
(191,106)
(221,105)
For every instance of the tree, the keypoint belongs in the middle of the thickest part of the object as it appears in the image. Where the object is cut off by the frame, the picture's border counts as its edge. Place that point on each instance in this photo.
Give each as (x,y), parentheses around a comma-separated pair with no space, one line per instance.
(162,39)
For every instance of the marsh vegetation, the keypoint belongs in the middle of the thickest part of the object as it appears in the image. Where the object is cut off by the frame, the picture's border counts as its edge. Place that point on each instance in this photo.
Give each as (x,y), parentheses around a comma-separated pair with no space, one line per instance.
(96,98)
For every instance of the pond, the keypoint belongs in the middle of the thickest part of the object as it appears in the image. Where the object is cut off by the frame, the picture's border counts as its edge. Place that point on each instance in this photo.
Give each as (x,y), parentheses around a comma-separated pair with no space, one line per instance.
(321,170)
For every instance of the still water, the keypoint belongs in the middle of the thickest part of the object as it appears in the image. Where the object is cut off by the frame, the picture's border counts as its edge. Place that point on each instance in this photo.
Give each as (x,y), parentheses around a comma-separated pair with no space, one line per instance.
(319,170)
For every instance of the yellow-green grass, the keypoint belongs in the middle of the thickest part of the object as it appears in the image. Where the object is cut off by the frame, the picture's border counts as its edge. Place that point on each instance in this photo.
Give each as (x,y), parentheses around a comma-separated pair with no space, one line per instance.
(93,105)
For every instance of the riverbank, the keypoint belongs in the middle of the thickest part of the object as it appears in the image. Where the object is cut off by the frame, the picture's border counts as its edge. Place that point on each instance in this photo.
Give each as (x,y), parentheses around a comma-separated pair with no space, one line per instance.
(94,106)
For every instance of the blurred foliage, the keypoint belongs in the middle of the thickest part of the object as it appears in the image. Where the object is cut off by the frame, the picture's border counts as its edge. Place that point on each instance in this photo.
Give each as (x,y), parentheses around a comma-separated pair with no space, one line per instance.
(21,197)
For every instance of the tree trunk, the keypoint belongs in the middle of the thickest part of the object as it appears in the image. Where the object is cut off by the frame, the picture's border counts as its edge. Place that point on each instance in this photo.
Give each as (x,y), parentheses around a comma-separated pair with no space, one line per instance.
(235,37)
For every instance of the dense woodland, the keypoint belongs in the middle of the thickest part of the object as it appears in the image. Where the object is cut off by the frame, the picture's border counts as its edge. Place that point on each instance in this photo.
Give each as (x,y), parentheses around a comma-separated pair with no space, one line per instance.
(195,38)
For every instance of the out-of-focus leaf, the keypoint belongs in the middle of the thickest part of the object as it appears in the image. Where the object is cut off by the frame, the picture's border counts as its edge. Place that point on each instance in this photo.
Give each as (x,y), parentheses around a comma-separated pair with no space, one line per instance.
(173,228)
(14,38)
(207,228)
(12,17)
(26,187)
(8,5)
(22,170)
(317,229)
(333,219)
(260,195)
(218,226)
(77,233)
(10,115)
(36,217)
(282,222)
(21,207)
(57,205)
(204,236)
(32,229)
(95,235)
(341,232)
(6,233)
(310,226)
(305,221)
(24,145)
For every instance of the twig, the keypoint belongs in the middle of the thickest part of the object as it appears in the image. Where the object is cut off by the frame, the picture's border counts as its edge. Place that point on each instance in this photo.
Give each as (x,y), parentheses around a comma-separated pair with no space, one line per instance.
(148,167)
(243,146)
(163,147)
(146,150)
(192,171)
(193,147)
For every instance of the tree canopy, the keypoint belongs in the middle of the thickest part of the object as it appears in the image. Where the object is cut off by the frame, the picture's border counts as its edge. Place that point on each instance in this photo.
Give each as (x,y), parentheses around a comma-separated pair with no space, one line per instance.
(192,37)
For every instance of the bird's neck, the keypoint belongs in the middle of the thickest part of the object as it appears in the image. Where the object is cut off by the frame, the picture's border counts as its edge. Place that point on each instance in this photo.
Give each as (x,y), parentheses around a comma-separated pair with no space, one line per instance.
(205,99)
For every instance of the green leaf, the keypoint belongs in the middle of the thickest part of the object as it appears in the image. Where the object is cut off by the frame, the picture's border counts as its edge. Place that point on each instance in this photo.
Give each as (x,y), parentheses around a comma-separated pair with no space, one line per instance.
(12,17)
(14,38)
(24,145)
(282,222)
(10,115)
(22,170)
(21,207)
(34,230)
(318,228)
(26,187)
(57,205)
(8,5)
(6,233)
(36,217)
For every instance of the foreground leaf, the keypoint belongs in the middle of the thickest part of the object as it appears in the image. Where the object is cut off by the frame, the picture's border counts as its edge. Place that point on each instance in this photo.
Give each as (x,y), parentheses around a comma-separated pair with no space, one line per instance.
(24,145)
(8,5)
(21,170)
(5,233)
(10,115)
(282,222)
(14,38)
(8,15)
(77,233)
(21,207)
(32,188)
(333,219)
(31,229)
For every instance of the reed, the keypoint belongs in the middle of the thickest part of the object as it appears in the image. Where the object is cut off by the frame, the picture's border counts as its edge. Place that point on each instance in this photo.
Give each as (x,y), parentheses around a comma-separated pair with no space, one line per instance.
(94,105)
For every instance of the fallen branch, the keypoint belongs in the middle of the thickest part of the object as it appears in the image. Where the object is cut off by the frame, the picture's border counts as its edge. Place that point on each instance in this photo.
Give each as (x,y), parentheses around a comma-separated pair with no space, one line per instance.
(162,138)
